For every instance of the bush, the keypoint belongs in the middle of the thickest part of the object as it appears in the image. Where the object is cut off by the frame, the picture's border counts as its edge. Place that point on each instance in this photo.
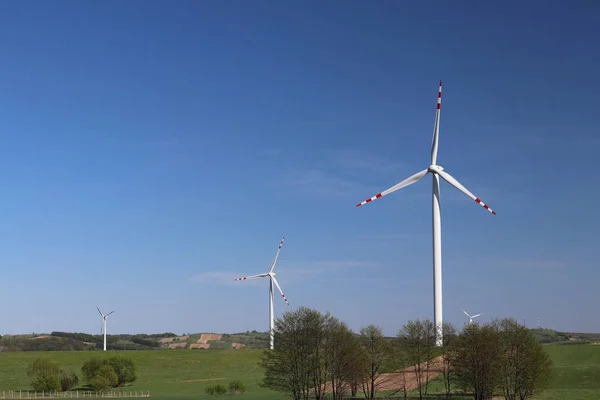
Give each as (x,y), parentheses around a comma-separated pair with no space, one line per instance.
(237,387)
(215,390)
(68,380)
(125,369)
(116,371)
(43,367)
(46,384)
(108,372)
(99,383)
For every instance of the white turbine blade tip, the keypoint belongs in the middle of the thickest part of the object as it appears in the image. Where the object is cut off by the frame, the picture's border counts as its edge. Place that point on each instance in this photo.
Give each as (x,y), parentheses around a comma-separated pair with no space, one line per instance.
(451,180)
(280,291)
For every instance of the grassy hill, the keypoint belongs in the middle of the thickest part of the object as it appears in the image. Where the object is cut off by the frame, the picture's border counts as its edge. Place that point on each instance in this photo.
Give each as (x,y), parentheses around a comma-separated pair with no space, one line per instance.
(68,341)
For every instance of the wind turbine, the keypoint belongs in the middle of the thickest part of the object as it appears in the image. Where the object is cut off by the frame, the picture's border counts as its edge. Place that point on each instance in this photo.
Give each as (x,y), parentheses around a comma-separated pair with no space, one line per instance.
(104,324)
(436,171)
(272,281)
(471,317)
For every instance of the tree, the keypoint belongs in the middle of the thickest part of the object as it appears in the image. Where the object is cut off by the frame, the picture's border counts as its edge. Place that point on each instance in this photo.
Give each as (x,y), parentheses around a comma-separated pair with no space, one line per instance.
(111,372)
(525,366)
(43,367)
(344,359)
(294,366)
(417,341)
(49,383)
(45,375)
(377,351)
(125,369)
(477,359)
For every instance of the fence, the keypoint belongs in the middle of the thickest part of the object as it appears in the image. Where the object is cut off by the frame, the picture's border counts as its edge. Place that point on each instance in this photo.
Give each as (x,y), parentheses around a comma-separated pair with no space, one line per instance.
(75,394)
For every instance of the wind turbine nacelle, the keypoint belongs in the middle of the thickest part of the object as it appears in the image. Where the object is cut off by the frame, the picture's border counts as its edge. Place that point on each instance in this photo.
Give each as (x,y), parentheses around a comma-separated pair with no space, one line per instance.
(435,168)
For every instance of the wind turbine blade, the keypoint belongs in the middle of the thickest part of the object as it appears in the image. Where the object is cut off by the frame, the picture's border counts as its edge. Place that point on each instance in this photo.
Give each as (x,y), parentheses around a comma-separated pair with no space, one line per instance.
(477,315)
(251,277)
(109,313)
(408,181)
(448,178)
(277,254)
(280,291)
(436,127)
(99,311)
(466,313)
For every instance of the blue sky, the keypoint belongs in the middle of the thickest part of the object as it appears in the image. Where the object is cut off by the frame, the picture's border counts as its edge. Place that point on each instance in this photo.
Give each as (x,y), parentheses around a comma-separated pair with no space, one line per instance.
(153,151)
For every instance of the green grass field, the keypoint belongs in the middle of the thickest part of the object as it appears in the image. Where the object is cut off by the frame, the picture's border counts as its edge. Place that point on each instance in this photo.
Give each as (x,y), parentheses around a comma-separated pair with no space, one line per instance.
(183,374)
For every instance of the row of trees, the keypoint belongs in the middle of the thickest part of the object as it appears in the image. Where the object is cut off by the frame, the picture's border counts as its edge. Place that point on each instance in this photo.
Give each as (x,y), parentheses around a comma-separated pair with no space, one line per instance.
(100,374)
(316,354)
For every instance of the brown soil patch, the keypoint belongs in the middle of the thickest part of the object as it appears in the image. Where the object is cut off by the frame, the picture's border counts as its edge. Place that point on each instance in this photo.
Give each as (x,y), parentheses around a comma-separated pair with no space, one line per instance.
(40,337)
(178,345)
(205,337)
(166,340)
(201,380)
(200,346)
(182,338)
(237,346)
(397,380)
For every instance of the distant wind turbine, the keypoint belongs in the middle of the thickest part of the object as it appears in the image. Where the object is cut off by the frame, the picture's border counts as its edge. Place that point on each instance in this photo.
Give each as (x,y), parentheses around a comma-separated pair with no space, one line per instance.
(471,317)
(104,324)
(272,281)
(436,171)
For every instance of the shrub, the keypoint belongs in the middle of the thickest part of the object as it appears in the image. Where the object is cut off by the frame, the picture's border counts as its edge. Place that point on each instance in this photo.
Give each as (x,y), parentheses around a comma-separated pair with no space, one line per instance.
(117,370)
(237,387)
(68,380)
(99,383)
(108,372)
(46,384)
(215,390)
(42,367)
(125,369)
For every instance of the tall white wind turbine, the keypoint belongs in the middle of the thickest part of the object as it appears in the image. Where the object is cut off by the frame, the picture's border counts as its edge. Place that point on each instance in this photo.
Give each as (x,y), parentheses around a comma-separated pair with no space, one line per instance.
(471,317)
(104,324)
(272,281)
(436,171)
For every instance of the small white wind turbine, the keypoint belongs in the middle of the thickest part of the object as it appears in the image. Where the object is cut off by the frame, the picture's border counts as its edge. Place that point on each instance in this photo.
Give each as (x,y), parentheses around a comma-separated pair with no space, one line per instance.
(272,281)
(436,171)
(471,317)
(104,324)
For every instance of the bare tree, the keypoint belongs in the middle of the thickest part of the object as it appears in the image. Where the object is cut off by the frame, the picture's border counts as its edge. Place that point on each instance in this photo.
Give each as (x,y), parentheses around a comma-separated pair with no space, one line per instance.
(296,364)
(525,366)
(344,358)
(417,339)
(476,359)
(377,356)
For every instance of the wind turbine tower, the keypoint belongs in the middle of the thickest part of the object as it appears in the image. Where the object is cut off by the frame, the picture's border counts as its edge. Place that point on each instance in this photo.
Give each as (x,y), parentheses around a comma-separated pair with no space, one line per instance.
(104,324)
(272,281)
(436,171)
